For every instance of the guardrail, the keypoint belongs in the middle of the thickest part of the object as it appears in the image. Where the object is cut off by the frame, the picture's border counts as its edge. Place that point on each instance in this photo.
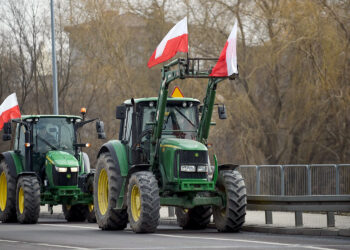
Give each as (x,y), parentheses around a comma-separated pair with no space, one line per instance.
(298,188)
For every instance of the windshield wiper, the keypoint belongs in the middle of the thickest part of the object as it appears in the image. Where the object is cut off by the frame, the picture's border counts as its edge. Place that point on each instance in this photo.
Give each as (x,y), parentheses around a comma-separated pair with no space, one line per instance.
(183,115)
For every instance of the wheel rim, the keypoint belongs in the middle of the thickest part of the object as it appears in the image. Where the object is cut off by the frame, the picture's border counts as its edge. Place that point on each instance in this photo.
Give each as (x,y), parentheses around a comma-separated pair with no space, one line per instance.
(102,193)
(21,200)
(91,207)
(135,203)
(3,191)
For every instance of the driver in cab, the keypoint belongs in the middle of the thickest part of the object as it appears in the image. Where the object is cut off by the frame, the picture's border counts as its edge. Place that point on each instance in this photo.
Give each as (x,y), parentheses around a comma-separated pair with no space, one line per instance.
(47,141)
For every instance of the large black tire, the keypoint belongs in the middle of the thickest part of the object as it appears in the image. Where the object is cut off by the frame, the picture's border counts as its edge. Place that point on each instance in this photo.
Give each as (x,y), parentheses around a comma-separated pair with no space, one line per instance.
(232,217)
(106,192)
(75,213)
(143,202)
(91,217)
(7,194)
(28,199)
(193,218)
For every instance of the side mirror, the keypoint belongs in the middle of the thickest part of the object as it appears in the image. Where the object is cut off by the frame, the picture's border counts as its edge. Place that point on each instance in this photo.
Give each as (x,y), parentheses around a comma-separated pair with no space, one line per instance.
(222,112)
(7,136)
(100,129)
(121,110)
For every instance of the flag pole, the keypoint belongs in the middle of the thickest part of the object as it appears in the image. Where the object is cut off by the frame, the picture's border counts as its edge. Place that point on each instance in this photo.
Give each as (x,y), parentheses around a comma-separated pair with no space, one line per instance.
(54,66)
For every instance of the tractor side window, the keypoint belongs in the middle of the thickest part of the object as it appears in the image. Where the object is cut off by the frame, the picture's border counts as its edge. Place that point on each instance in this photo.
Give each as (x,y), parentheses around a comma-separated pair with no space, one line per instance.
(20,132)
(127,125)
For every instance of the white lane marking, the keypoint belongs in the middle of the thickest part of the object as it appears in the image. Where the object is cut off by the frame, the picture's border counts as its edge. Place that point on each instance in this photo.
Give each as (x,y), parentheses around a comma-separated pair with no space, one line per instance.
(43,244)
(246,241)
(10,241)
(71,226)
(191,247)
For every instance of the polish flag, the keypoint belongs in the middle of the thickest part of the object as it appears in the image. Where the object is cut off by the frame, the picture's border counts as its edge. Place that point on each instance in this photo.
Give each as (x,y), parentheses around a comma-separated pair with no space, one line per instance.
(227,63)
(176,40)
(9,109)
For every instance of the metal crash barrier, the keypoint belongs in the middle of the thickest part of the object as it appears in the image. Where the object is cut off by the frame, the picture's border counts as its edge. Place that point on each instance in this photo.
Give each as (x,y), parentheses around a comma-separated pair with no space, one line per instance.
(298,188)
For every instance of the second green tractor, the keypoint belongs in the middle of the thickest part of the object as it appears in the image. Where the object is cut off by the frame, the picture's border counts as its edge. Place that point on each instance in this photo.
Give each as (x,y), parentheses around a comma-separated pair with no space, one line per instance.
(161,159)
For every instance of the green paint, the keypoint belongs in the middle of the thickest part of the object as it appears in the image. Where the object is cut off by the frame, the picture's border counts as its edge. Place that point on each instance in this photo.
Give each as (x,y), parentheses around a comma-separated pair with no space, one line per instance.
(62,159)
(120,149)
(17,158)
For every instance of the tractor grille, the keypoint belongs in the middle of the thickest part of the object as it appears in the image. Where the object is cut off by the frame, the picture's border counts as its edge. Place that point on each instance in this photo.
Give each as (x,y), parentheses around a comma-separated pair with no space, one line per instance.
(190,158)
(65,179)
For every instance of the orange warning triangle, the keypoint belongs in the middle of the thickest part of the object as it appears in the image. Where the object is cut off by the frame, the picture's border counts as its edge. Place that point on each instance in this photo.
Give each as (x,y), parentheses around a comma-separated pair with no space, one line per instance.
(177,93)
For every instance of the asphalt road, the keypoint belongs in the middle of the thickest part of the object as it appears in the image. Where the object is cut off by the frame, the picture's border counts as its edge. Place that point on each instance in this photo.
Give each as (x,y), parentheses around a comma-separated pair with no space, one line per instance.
(58,234)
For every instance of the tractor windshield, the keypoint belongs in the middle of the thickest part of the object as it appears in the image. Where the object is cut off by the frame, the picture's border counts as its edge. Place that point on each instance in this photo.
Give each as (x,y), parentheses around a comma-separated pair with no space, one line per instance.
(54,133)
(180,120)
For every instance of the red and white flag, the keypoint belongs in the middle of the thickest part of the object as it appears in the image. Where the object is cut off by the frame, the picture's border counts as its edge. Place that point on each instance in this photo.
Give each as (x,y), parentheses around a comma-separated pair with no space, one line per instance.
(227,63)
(9,109)
(175,41)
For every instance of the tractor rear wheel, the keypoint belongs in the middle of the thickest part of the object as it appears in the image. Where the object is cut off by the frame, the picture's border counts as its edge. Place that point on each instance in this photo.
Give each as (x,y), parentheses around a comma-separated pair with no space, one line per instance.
(106,192)
(193,218)
(143,202)
(75,213)
(7,194)
(28,200)
(231,217)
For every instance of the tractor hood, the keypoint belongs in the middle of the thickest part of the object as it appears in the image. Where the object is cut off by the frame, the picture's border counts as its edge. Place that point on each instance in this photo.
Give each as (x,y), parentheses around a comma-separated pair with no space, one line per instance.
(61,159)
(183,144)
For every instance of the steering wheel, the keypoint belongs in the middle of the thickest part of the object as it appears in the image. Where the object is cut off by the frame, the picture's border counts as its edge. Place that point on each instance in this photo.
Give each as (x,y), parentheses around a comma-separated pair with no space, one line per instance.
(47,143)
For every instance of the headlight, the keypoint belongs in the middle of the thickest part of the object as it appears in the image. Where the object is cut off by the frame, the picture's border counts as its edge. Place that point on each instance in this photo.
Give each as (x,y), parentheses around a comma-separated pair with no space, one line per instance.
(188,168)
(202,168)
(73,170)
(61,170)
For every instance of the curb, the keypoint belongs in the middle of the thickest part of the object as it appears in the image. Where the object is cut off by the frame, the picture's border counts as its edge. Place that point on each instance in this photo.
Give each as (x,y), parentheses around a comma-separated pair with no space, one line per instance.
(252,228)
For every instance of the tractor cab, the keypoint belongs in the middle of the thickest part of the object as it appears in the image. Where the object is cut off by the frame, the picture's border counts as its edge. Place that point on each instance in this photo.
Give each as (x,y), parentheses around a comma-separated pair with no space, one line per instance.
(181,120)
(47,134)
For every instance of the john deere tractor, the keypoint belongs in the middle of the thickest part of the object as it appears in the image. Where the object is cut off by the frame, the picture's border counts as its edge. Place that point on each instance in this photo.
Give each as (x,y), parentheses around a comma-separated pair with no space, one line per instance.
(162,159)
(46,166)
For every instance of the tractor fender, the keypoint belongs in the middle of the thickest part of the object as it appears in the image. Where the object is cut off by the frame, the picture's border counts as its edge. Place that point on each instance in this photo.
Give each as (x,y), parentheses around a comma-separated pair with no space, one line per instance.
(86,162)
(227,166)
(7,156)
(118,153)
(28,174)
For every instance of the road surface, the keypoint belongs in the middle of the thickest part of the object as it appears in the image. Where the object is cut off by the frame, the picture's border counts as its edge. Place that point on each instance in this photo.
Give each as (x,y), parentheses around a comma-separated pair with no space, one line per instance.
(58,234)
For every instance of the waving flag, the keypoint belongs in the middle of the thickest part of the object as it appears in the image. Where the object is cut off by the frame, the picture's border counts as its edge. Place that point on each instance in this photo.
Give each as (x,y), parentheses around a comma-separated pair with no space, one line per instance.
(227,63)
(9,109)
(176,40)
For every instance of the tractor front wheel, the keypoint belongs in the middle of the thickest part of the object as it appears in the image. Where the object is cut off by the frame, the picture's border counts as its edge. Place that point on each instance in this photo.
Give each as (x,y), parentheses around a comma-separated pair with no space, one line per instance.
(231,217)
(7,194)
(107,187)
(28,200)
(143,202)
(193,218)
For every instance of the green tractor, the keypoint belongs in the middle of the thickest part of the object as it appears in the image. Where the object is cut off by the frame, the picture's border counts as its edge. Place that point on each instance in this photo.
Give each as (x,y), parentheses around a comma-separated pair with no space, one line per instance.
(162,159)
(46,166)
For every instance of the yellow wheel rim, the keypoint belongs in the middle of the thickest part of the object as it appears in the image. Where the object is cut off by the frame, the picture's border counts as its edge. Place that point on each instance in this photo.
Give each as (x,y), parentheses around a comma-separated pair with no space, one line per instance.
(135,203)
(21,200)
(3,191)
(91,207)
(102,192)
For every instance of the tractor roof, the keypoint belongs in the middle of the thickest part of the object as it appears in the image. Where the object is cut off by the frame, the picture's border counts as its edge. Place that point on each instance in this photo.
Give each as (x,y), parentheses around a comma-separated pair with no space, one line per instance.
(154,99)
(50,116)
